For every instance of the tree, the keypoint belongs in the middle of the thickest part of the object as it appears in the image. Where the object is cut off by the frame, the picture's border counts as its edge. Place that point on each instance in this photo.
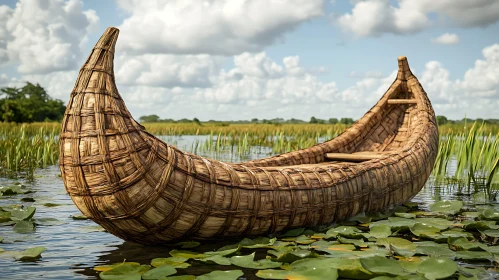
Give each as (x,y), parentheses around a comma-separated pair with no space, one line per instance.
(313,120)
(333,121)
(149,118)
(441,120)
(30,103)
(196,120)
(346,121)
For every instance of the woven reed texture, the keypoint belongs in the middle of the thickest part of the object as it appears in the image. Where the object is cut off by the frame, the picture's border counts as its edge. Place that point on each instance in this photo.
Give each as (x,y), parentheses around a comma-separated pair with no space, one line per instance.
(144,190)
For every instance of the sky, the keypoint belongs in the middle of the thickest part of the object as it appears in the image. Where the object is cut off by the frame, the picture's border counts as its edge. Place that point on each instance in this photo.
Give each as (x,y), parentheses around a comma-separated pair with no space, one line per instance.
(244,59)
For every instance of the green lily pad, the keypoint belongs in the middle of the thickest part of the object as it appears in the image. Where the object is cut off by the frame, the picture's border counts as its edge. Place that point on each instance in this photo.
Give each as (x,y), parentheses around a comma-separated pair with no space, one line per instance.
(379,231)
(186,254)
(396,223)
(446,206)
(439,223)
(24,227)
(411,204)
(159,272)
(291,256)
(463,244)
(293,232)
(470,214)
(479,225)
(248,262)
(474,255)
(437,268)
(49,204)
(223,252)
(356,242)
(221,275)
(491,233)
(410,264)
(425,231)
(406,215)
(23,214)
(107,267)
(490,214)
(128,271)
(345,231)
(27,199)
(180,277)
(433,249)
(347,268)
(216,259)
(382,266)
(400,246)
(4,217)
(48,222)
(175,262)
(31,254)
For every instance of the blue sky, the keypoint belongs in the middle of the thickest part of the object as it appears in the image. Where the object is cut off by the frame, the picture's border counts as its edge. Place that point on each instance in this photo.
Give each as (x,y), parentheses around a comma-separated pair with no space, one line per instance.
(231,60)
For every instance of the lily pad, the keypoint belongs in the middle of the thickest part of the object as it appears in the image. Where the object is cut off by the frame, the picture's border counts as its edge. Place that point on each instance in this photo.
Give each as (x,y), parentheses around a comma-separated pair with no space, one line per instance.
(433,249)
(107,267)
(24,227)
(22,214)
(345,231)
(437,268)
(128,271)
(80,217)
(406,215)
(494,233)
(313,273)
(446,206)
(248,262)
(380,231)
(221,275)
(216,259)
(490,214)
(474,255)
(463,244)
(293,232)
(382,266)
(347,268)
(400,246)
(48,222)
(186,254)
(175,262)
(425,231)
(159,272)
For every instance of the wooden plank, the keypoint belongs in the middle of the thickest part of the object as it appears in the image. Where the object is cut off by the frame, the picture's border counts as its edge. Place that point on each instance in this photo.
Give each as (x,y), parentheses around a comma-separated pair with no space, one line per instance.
(402,101)
(355,157)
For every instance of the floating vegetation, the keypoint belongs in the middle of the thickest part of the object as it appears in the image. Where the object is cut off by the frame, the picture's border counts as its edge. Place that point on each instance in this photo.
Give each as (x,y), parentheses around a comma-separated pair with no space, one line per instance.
(446,243)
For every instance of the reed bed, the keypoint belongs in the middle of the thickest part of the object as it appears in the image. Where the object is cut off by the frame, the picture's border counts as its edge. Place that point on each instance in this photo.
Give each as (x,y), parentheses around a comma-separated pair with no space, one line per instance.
(476,154)
(468,154)
(23,148)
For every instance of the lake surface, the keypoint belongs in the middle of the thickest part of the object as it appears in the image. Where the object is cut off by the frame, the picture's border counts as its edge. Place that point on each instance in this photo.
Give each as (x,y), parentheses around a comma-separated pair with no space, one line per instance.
(74,247)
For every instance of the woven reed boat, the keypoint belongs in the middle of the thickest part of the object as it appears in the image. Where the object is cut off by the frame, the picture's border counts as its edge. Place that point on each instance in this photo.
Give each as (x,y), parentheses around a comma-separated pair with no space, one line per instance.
(143,190)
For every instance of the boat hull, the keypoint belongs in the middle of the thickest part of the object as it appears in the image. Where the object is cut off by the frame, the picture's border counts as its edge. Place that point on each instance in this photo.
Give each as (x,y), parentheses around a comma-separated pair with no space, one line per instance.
(146,191)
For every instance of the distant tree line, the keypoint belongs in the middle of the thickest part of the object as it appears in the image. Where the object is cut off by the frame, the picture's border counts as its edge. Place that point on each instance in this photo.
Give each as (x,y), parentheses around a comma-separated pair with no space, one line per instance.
(441,120)
(156,118)
(30,103)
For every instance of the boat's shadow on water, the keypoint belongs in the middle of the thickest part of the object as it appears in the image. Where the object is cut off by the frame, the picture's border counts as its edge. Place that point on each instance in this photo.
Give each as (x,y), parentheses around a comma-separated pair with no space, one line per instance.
(133,252)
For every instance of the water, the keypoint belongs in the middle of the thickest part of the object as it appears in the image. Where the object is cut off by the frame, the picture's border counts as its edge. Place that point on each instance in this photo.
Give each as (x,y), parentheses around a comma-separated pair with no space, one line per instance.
(76,246)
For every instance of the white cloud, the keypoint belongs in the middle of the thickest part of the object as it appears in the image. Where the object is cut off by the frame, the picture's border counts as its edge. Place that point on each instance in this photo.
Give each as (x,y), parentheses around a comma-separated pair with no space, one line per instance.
(44,36)
(164,70)
(376,17)
(221,27)
(483,79)
(447,39)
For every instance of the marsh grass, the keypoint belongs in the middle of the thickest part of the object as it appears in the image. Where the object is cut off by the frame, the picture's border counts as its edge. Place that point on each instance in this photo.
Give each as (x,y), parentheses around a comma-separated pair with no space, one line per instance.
(475,148)
(23,148)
